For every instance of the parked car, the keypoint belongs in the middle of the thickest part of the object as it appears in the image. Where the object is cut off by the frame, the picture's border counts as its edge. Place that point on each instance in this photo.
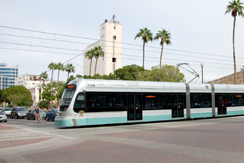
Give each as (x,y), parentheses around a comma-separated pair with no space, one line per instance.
(7,111)
(18,112)
(51,114)
(31,114)
(3,117)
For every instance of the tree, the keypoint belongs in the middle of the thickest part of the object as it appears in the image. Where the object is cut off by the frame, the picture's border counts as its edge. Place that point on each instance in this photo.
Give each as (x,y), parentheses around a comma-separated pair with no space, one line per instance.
(1,98)
(18,95)
(78,76)
(111,76)
(89,54)
(69,68)
(128,72)
(87,77)
(59,67)
(52,66)
(146,36)
(43,76)
(97,76)
(70,79)
(236,8)
(43,104)
(50,90)
(144,75)
(165,38)
(168,73)
(98,52)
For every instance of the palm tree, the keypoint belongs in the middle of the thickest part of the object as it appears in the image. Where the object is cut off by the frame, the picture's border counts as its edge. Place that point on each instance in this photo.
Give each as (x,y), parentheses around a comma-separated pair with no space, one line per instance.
(98,52)
(69,68)
(236,8)
(146,36)
(52,66)
(165,38)
(59,67)
(43,76)
(89,54)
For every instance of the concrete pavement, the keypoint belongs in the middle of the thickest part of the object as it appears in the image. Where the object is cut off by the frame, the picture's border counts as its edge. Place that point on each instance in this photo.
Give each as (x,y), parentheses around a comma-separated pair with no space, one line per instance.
(204,140)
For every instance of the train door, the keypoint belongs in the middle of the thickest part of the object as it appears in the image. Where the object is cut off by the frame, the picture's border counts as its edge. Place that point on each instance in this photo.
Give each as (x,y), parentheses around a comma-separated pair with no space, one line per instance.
(134,111)
(177,106)
(222,104)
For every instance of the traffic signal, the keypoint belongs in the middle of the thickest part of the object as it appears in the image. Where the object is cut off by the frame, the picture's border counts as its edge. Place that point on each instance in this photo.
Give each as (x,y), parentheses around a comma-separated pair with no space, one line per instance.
(56,101)
(3,103)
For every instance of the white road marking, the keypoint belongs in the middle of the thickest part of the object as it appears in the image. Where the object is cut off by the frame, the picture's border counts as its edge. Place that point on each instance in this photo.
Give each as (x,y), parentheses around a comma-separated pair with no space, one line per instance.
(50,134)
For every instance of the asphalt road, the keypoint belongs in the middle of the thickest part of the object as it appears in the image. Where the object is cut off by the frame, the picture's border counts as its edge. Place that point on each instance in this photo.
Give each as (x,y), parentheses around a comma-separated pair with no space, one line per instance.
(204,140)
(29,123)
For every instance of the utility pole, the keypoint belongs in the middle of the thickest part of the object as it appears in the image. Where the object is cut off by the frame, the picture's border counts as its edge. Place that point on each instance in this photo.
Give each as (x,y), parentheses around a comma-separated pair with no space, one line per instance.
(202,71)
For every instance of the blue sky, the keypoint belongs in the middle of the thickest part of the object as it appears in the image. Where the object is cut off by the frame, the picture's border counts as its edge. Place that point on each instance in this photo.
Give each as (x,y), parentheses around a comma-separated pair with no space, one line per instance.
(195,26)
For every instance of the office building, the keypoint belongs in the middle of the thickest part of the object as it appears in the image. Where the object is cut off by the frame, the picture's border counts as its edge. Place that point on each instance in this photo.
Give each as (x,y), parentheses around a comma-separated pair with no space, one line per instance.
(8,75)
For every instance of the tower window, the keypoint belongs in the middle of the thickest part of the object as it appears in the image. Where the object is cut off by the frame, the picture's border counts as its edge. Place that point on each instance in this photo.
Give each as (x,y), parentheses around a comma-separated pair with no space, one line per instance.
(114,27)
(114,37)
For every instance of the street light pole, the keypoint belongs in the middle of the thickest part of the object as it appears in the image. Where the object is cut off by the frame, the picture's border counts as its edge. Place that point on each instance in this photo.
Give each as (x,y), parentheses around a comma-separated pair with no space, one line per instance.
(202,71)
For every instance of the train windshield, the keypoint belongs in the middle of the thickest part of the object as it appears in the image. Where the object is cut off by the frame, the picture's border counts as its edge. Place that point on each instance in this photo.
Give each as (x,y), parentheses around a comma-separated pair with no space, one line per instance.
(67,97)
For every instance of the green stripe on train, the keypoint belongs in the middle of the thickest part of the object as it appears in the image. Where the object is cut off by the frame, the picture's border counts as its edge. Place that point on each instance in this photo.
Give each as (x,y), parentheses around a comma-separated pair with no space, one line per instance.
(117,120)
(64,122)
(109,120)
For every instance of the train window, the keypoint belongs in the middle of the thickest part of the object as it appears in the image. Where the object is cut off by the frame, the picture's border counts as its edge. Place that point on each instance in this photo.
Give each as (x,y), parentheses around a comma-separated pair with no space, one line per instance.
(206,100)
(164,101)
(150,102)
(116,100)
(106,102)
(79,102)
(239,99)
(229,100)
(96,100)
(67,97)
(200,100)
(156,101)
(195,100)
(234,100)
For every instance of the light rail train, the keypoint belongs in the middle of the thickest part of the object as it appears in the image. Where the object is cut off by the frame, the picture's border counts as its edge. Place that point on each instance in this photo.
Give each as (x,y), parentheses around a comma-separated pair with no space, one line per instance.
(98,102)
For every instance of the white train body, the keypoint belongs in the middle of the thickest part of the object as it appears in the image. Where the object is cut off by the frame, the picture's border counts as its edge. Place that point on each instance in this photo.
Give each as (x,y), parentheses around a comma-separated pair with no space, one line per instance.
(97,102)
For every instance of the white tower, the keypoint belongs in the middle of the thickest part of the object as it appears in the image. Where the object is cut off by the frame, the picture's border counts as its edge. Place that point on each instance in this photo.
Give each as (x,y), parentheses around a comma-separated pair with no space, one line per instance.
(110,42)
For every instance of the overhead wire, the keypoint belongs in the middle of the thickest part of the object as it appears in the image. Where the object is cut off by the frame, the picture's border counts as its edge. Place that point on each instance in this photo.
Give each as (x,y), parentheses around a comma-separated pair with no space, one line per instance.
(50,47)
(86,43)
(105,46)
(32,50)
(99,40)
(65,35)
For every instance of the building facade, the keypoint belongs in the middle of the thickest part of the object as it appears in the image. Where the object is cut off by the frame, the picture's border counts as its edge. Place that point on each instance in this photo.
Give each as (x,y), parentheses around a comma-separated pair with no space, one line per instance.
(8,75)
(110,42)
(32,83)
